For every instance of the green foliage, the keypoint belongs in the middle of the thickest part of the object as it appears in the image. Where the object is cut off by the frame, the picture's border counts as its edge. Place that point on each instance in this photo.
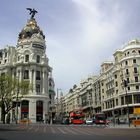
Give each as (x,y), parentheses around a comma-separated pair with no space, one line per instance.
(11,89)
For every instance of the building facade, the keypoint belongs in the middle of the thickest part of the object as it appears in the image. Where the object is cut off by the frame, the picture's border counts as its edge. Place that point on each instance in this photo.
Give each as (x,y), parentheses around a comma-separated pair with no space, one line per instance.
(28,61)
(116,91)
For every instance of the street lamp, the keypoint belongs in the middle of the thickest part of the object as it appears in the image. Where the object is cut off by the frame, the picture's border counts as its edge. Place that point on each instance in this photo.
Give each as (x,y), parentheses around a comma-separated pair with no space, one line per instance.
(17,100)
(125,83)
(58,89)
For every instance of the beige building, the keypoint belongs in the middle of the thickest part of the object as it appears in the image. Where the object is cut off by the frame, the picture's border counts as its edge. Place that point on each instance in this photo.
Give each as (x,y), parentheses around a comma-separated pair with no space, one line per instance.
(107,92)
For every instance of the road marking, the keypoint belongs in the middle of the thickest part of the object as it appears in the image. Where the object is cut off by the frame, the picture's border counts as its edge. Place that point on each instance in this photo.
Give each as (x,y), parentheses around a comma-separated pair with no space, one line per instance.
(61,130)
(45,129)
(69,130)
(52,129)
(29,128)
(36,129)
(79,131)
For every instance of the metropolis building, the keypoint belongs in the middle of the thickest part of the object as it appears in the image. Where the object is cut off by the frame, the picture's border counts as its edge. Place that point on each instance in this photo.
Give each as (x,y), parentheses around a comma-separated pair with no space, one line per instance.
(28,61)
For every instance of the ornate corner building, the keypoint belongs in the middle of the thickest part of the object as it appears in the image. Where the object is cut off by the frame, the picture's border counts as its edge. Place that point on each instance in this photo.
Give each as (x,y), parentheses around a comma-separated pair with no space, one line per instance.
(28,61)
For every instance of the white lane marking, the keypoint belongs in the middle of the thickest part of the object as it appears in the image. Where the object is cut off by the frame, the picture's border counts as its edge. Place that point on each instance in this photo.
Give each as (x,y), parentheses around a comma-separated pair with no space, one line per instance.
(52,129)
(61,130)
(69,130)
(80,131)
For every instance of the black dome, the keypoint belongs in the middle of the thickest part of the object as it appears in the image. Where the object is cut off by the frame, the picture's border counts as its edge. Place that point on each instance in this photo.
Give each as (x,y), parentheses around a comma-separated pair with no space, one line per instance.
(30,29)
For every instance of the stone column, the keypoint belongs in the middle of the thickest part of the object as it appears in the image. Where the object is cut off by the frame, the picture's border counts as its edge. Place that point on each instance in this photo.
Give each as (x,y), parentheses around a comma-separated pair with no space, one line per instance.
(45,109)
(43,81)
(132,99)
(32,110)
(34,82)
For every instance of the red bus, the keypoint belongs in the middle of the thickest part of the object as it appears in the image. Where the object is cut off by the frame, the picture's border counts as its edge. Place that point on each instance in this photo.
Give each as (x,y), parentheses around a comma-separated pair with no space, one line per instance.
(100,118)
(77,117)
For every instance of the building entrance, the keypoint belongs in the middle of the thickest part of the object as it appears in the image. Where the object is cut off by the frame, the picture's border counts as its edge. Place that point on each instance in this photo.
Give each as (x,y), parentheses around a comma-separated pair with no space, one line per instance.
(39,111)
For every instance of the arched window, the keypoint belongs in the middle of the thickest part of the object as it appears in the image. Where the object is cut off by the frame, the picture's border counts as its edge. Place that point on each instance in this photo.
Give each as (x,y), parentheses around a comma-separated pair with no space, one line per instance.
(26,58)
(37,59)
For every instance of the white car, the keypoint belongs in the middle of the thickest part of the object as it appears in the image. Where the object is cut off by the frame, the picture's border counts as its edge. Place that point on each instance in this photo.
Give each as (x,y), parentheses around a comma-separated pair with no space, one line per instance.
(89,121)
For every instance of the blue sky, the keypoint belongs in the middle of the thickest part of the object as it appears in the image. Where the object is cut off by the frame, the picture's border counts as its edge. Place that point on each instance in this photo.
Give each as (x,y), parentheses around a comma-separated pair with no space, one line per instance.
(80,34)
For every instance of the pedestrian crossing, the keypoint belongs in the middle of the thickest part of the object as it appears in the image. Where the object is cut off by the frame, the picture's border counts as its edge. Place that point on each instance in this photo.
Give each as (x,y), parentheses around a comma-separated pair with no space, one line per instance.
(65,130)
(70,130)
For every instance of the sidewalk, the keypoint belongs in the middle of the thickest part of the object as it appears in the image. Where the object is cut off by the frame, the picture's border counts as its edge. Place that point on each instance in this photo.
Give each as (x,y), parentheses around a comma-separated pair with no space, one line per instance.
(123,126)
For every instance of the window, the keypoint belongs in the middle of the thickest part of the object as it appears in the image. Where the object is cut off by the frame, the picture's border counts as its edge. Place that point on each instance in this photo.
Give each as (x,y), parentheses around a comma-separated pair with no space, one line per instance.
(37,88)
(126,62)
(128,99)
(37,59)
(137,87)
(5,54)
(18,58)
(135,70)
(128,88)
(139,51)
(116,84)
(133,51)
(128,80)
(116,91)
(26,74)
(116,101)
(0,54)
(37,75)
(127,72)
(134,60)
(136,79)
(26,58)
(115,76)
(136,98)
(122,100)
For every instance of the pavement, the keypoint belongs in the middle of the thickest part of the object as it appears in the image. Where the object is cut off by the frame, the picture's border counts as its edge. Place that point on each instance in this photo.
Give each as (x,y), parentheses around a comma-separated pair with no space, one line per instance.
(121,126)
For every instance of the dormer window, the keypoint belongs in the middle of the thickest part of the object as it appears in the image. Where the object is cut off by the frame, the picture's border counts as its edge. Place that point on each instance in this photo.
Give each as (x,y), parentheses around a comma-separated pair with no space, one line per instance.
(27,58)
(133,51)
(37,59)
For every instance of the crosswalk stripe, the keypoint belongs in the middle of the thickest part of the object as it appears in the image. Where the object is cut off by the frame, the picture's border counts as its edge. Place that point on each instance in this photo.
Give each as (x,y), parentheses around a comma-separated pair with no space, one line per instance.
(61,130)
(52,129)
(79,131)
(37,129)
(45,129)
(69,130)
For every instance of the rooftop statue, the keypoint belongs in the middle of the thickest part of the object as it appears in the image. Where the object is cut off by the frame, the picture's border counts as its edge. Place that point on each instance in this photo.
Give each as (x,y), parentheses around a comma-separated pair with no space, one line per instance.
(32,12)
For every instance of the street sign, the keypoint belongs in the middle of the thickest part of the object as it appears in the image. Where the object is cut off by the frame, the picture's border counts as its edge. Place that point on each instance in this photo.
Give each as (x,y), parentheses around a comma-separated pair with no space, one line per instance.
(136,110)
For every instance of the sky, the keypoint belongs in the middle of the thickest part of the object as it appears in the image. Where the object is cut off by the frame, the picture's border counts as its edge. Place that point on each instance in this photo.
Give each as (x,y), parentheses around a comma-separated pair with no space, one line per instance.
(80,34)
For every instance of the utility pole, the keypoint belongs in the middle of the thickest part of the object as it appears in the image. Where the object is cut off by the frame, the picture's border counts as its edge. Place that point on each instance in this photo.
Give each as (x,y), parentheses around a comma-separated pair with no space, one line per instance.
(125,85)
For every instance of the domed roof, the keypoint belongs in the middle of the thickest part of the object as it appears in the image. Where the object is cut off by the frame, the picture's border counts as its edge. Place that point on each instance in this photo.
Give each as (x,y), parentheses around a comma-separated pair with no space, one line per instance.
(135,43)
(30,29)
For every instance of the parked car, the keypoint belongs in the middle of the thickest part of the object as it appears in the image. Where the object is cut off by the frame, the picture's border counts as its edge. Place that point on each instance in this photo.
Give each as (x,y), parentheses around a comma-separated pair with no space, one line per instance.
(89,121)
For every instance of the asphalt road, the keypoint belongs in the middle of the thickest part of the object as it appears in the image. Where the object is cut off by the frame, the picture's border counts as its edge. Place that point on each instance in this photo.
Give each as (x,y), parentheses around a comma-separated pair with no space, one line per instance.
(61,132)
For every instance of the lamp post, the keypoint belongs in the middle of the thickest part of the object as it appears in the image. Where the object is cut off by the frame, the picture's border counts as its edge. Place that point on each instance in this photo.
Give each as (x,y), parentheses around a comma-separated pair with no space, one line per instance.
(17,100)
(125,83)
(58,89)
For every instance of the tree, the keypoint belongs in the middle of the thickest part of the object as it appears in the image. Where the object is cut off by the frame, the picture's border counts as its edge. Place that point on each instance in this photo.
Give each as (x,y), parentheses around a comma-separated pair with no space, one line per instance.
(11,89)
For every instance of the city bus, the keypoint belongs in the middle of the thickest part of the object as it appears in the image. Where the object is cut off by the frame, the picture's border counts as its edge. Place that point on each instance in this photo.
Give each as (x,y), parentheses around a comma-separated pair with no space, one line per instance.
(100,118)
(77,117)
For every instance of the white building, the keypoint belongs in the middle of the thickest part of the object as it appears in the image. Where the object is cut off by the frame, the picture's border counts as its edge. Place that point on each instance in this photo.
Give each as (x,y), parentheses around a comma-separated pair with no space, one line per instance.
(28,61)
